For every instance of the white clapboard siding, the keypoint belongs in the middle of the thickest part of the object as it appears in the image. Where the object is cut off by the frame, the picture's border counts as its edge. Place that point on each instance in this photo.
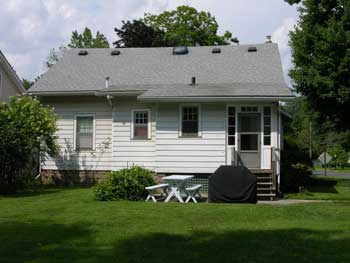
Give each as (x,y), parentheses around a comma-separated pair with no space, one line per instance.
(190,155)
(127,151)
(69,159)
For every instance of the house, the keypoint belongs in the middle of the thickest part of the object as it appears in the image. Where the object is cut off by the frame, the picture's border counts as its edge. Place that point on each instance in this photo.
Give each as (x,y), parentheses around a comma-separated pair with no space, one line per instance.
(10,84)
(183,110)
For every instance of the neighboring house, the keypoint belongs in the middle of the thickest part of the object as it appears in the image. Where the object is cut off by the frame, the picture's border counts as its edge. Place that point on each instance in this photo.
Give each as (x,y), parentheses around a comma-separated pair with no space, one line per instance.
(10,84)
(183,110)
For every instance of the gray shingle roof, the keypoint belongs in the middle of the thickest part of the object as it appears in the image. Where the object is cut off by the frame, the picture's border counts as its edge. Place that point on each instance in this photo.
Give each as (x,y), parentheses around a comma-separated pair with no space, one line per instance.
(233,72)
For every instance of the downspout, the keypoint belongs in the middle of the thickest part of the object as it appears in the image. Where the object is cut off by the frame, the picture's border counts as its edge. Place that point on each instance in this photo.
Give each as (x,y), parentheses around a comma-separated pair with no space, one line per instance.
(109,99)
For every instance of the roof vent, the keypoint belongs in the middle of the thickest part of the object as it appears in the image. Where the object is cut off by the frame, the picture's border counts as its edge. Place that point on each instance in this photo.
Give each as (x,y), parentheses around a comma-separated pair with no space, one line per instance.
(115,52)
(216,50)
(82,53)
(183,50)
(252,49)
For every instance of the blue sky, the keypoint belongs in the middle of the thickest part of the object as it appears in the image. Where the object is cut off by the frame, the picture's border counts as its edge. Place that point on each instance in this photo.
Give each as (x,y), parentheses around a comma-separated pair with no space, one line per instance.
(30,28)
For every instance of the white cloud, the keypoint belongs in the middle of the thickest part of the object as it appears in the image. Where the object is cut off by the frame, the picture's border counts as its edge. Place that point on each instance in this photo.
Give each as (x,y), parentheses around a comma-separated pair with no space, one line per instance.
(30,28)
(281,36)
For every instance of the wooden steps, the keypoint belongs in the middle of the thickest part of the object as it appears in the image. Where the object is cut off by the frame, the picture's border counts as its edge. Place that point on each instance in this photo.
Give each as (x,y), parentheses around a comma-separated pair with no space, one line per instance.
(265,184)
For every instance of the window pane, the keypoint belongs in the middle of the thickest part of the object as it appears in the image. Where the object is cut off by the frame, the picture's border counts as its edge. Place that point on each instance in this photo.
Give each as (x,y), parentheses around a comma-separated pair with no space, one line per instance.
(231,130)
(267,140)
(190,128)
(267,111)
(267,120)
(231,121)
(249,142)
(141,131)
(141,124)
(267,130)
(231,140)
(249,123)
(84,133)
(231,111)
(190,121)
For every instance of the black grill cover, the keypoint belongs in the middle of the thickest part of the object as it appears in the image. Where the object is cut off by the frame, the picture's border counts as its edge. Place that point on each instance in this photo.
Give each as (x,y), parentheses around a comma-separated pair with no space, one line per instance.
(232,184)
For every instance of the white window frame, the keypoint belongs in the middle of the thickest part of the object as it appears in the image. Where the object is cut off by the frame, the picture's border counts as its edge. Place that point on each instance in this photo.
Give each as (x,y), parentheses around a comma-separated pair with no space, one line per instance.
(93,132)
(199,119)
(149,124)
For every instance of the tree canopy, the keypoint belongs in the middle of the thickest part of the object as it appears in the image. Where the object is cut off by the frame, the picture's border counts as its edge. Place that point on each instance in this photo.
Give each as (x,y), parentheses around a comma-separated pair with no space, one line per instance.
(137,34)
(182,26)
(87,40)
(54,56)
(321,55)
(187,26)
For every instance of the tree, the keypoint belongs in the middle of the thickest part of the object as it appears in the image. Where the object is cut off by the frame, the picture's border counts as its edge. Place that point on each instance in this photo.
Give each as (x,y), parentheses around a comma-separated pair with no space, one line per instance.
(27,83)
(182,26)
(26,127)
(303,129)
(137,34)
(321,55)
(186,26)
(86,40)
(54,56)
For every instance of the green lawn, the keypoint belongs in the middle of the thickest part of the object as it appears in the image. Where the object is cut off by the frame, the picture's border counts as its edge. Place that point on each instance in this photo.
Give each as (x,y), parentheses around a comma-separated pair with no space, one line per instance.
(325,188)
(69,226)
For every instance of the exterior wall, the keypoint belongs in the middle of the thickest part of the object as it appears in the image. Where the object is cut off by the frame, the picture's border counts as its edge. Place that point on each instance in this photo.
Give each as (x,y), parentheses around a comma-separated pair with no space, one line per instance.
(70,159)
(190,155)
(127,151)
(164,152)
(7,86)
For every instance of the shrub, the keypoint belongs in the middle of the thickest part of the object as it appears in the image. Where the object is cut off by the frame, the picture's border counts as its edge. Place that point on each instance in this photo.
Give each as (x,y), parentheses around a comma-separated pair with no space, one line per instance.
(126,184)
(296,168)
(27,128)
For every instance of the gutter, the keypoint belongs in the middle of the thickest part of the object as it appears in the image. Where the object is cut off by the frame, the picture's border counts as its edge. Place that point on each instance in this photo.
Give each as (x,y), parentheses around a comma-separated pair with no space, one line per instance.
(216,99)
(62,93)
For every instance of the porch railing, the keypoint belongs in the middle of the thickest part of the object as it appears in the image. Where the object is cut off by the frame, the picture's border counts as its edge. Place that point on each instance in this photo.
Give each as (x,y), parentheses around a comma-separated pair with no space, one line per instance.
(275,159)
(235,158)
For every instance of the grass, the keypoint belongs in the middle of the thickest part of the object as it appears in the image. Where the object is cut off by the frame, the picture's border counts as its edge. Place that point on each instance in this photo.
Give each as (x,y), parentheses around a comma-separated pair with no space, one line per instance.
(60,225)
(325,188)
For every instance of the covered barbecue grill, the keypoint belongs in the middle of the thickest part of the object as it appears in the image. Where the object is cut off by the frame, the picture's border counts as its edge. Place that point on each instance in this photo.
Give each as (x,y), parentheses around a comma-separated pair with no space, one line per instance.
(232,184)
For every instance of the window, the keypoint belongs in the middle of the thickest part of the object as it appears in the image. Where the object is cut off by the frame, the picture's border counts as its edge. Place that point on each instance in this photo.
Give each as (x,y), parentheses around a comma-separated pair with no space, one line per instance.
(267,125)
(141,127)
(231,125)
(249,109)
(190,121)
(249,142)
(84,133)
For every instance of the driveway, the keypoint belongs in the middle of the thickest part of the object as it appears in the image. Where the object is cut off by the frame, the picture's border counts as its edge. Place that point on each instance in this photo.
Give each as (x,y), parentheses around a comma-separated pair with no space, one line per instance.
(332,173)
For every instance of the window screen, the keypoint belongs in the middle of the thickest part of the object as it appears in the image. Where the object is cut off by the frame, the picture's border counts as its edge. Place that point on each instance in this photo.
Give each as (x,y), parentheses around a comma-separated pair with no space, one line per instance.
(249,123)
(84,133)
(141,124)
(249,142)
(190,121)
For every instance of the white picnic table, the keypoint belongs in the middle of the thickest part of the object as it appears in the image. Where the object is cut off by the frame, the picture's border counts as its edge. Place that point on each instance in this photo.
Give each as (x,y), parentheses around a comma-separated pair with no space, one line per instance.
(176,185)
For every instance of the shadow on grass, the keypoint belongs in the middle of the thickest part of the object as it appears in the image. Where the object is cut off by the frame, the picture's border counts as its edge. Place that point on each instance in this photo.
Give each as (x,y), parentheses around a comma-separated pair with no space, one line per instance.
(41,241)
(322,185)
(42,190)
